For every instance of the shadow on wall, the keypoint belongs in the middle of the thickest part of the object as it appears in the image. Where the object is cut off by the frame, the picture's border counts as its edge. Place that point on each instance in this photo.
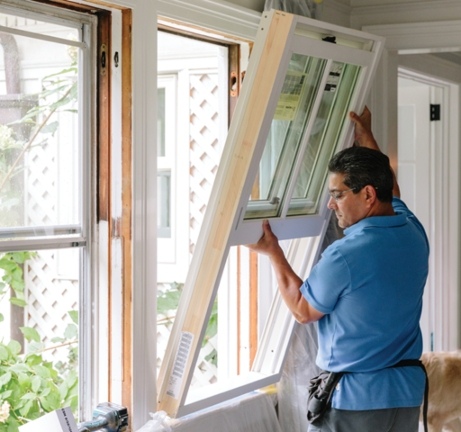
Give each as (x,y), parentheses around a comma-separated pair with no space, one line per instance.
(307,8)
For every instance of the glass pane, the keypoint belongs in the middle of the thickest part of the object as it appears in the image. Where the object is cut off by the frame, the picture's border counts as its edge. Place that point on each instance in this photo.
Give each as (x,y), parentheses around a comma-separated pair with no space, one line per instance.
(39,140)
(39,303)
(239,312)
(296,100)
(323,138)
(287,140)
(164,204)
(161,119)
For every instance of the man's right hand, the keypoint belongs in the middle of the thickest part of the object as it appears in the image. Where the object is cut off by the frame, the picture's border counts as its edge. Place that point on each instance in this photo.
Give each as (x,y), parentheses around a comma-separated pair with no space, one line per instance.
(268,244)
(362,129)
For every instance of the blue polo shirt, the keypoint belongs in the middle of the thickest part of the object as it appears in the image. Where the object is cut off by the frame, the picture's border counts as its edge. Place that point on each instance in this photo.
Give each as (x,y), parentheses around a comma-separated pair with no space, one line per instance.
(369,285)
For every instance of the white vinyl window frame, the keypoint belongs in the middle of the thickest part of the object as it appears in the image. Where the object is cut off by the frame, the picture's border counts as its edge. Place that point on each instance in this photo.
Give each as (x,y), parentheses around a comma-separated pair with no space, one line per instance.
(279,36)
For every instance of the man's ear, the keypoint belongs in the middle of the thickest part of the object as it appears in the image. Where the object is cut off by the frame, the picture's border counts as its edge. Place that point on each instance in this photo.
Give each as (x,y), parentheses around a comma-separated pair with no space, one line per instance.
(370,193)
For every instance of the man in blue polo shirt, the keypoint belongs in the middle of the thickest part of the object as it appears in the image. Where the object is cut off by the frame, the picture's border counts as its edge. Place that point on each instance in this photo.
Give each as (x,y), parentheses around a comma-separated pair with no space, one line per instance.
(365,292)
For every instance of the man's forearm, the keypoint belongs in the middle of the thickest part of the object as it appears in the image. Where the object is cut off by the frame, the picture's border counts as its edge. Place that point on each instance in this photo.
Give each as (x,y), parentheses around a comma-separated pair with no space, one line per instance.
(289,284)
(364,138)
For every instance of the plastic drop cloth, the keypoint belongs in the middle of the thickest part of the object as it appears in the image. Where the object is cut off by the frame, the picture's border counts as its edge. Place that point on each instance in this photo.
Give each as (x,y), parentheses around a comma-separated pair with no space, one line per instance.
(300,367)
(307,8)
(159,422)
(251,413)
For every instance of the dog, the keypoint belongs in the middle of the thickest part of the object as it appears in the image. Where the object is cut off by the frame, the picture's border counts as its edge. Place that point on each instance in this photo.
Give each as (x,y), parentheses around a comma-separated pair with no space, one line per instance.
(444,405)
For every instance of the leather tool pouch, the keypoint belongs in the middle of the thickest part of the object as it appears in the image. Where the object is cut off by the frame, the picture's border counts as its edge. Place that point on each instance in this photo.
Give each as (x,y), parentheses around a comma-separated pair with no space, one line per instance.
(321,389)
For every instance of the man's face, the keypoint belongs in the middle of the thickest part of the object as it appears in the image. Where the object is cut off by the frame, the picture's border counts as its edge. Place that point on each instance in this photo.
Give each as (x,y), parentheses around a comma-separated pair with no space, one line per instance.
(350,206)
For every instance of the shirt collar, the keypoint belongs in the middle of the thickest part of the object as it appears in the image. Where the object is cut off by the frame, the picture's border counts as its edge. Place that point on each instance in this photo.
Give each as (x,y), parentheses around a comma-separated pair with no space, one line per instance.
(398,219)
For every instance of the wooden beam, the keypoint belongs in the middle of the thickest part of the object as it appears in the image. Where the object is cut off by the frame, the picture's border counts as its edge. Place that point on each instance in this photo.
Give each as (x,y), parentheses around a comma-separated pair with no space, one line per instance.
(127,210)
(104,125)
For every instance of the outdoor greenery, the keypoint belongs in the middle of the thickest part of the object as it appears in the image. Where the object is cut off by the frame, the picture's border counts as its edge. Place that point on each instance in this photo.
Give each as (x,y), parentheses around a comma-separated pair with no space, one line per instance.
(31,385)
(167,305)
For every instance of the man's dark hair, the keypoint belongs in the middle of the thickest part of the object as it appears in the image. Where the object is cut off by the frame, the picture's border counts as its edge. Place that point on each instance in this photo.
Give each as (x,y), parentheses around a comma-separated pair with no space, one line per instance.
(362,166)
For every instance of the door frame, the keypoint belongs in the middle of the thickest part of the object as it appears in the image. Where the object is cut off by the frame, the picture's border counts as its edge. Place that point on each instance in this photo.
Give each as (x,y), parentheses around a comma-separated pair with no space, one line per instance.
(430,191)
(403,39)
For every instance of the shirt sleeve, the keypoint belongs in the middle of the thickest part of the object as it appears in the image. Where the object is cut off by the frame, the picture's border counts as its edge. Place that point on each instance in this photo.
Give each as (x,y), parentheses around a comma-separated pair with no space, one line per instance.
(401,207)
(327,282)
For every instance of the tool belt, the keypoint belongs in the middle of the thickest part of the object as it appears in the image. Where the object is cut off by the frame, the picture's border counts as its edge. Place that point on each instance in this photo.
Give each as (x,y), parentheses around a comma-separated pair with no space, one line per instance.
(322,386)
(320,392)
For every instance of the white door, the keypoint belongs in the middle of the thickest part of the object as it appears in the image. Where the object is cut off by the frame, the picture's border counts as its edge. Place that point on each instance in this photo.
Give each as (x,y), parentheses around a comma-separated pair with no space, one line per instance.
(419,148)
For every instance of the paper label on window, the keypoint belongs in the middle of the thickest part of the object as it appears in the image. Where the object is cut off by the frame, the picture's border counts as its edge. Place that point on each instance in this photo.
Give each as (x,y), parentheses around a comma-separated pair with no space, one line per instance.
(177,376)
(290,96)
(334,77)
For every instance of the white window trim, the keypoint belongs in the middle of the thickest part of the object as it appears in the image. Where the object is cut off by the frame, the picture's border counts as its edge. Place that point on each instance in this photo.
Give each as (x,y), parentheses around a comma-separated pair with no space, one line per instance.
(242,153)
(220,18)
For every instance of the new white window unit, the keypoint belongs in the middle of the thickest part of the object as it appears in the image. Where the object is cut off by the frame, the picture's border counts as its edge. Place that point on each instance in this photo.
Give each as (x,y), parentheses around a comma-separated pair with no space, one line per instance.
(303,79)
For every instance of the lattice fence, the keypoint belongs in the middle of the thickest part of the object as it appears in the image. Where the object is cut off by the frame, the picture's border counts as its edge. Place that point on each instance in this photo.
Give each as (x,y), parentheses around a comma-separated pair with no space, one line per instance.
(49,299)
(205,147)
(51,291)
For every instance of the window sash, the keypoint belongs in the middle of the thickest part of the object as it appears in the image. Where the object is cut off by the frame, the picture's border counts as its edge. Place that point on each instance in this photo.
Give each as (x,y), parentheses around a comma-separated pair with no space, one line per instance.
(68,235)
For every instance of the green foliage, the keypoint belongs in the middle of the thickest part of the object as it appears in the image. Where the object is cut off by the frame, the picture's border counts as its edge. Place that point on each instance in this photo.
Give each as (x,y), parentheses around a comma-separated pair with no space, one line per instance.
(167,305)
(13,276)
(168,300)
(30,385)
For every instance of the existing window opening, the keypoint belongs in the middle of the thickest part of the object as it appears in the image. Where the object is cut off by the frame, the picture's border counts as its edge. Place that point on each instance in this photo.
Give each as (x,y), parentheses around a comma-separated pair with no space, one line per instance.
(194,105)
